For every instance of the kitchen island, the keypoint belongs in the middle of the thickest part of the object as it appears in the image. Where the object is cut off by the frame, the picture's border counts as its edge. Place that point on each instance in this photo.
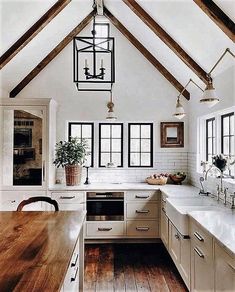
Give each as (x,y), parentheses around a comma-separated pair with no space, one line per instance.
(41,251)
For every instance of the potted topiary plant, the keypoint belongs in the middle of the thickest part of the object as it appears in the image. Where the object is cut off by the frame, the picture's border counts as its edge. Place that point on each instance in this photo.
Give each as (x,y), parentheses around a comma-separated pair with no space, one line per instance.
(71,155)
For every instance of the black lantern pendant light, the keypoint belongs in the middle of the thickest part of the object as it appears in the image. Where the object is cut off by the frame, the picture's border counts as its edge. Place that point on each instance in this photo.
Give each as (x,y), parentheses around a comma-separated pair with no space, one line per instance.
(94,63)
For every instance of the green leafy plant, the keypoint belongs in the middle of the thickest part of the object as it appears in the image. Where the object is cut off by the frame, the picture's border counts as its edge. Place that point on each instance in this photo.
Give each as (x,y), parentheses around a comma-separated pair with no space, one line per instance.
(70,152)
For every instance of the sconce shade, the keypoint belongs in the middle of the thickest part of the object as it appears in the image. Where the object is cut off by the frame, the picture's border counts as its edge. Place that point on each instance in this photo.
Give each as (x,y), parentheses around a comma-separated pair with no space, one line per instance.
(179,111)
(209,97)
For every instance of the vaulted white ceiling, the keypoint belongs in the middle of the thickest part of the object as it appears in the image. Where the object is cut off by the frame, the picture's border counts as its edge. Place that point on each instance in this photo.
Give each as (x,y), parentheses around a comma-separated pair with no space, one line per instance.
(187,24)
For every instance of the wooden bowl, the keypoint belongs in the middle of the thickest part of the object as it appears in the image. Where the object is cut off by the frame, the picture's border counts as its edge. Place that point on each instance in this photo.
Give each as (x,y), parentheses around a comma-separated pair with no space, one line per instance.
(156,181)
(177,179)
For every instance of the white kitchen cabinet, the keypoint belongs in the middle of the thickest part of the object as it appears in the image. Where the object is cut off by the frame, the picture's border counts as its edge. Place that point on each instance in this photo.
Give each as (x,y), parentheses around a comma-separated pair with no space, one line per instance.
(179,249)
(70,201)
(142,214)
(105,229)
(9,200)
(164,225)
(202,263)
(27,139)
(224,270)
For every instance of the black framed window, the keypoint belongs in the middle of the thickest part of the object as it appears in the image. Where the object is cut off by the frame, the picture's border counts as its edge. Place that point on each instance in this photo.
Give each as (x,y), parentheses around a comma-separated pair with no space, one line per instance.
(110,144)
(140,145)
(210,139)
(83,130)
(227,138)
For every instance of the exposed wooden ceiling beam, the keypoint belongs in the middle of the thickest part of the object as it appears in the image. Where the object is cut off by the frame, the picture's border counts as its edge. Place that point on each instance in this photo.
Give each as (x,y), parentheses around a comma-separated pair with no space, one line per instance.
(32,32)
(146,53)
(218,16)
(167,39)
(52,54)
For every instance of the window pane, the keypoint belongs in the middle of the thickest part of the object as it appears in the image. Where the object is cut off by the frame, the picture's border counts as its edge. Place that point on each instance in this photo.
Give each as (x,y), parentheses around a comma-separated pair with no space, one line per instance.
(135,145)
(145,145)
(210,146)
(226,145)
(232,125)
(232,146)
(86,131)
(145,131)
(88,160)
(105,131)
(116,145)
(213,150)
(105,145)
(135,131)
(213,128)
(145,159)
(209,128)
(105,158)
(135,159)
(76,131)
(226,125)
(116,158)
(116,131)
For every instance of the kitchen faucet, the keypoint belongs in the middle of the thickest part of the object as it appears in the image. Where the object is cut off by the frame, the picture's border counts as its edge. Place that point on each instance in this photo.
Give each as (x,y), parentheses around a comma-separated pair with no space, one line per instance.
(220,188)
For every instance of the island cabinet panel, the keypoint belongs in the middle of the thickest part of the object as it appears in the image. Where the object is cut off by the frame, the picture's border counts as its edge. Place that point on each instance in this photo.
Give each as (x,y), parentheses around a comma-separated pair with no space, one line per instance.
(74,201)
(202,262)
(224,269)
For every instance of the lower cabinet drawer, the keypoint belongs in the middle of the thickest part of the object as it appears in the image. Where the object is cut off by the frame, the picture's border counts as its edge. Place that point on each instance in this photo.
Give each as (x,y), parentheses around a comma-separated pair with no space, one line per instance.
(105,229)
(142,229)
(142,210)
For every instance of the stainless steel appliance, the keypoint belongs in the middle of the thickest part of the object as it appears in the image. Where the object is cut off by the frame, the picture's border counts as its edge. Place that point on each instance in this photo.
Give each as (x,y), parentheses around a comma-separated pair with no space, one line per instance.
(105,206)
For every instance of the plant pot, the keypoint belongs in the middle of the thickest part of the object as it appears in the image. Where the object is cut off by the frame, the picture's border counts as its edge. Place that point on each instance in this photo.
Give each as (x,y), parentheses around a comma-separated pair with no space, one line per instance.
(73,175)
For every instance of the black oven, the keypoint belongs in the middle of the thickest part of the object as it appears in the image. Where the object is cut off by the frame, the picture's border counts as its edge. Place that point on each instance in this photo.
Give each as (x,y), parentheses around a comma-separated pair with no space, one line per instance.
(105,206)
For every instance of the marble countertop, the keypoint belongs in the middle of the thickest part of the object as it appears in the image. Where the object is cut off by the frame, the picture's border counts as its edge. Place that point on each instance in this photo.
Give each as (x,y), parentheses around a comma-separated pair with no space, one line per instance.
(170,190)
(221,225)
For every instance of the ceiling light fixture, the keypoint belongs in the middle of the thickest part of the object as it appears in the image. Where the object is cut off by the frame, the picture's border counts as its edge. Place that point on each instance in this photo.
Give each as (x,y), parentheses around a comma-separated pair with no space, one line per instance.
(93,57)
(210,97)
(110,105)
(179,111)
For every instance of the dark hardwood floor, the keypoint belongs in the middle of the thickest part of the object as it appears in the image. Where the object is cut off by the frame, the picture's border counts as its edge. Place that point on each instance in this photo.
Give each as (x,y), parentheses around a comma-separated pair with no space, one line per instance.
(130,267)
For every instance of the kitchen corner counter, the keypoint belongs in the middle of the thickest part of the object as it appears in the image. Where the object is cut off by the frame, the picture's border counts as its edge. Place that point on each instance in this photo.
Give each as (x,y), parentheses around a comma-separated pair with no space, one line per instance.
(221,225)
(36,248)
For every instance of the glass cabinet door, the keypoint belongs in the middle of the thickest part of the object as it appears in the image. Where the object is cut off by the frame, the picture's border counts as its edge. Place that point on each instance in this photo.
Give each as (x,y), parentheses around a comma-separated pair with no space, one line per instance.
(23,150)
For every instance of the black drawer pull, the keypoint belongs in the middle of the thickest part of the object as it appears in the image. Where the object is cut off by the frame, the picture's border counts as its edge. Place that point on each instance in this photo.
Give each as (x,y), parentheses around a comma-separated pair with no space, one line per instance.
(104,229)
(67,197)
(198,236)
(74,276)
(142,228)
(73,264)
(141,197)
(142,211)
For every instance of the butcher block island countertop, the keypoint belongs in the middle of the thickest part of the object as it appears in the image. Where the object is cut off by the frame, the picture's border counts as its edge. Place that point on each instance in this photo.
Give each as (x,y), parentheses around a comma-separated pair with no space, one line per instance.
(36,249)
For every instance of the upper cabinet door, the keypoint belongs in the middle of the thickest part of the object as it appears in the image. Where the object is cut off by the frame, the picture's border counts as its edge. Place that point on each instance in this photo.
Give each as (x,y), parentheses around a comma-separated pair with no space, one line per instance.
(23,146)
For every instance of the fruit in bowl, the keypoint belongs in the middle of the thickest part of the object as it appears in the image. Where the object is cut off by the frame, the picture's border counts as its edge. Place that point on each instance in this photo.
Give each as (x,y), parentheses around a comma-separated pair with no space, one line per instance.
(157,179)
(178,177)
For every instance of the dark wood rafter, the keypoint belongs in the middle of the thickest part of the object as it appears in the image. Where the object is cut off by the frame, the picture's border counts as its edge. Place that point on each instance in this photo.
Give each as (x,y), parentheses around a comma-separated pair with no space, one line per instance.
(52,54)
(146,53)
(218,16)
(167,39)
(32,32)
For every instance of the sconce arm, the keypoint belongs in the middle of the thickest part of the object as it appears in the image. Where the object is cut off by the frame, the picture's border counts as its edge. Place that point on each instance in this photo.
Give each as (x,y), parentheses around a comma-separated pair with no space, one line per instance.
(222,56)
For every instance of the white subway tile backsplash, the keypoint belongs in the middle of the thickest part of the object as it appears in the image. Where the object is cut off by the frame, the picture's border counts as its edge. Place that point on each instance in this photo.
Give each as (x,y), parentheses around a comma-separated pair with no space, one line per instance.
(169,162)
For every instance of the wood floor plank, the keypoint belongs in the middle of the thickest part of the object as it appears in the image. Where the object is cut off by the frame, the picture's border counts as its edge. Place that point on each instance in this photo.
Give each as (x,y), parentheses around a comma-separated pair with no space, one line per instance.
(105,273)
(130,268)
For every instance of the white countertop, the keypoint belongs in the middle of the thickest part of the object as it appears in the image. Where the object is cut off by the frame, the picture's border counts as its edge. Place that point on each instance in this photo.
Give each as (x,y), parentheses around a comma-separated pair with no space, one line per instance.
(169,189)
(221,225)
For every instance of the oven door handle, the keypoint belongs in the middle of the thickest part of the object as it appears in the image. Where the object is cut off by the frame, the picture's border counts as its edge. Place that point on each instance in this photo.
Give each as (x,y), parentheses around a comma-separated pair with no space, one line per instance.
(105,200)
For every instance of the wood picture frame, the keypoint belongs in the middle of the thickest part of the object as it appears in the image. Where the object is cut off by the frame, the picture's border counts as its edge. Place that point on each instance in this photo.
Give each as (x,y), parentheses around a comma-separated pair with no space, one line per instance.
(172,134)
